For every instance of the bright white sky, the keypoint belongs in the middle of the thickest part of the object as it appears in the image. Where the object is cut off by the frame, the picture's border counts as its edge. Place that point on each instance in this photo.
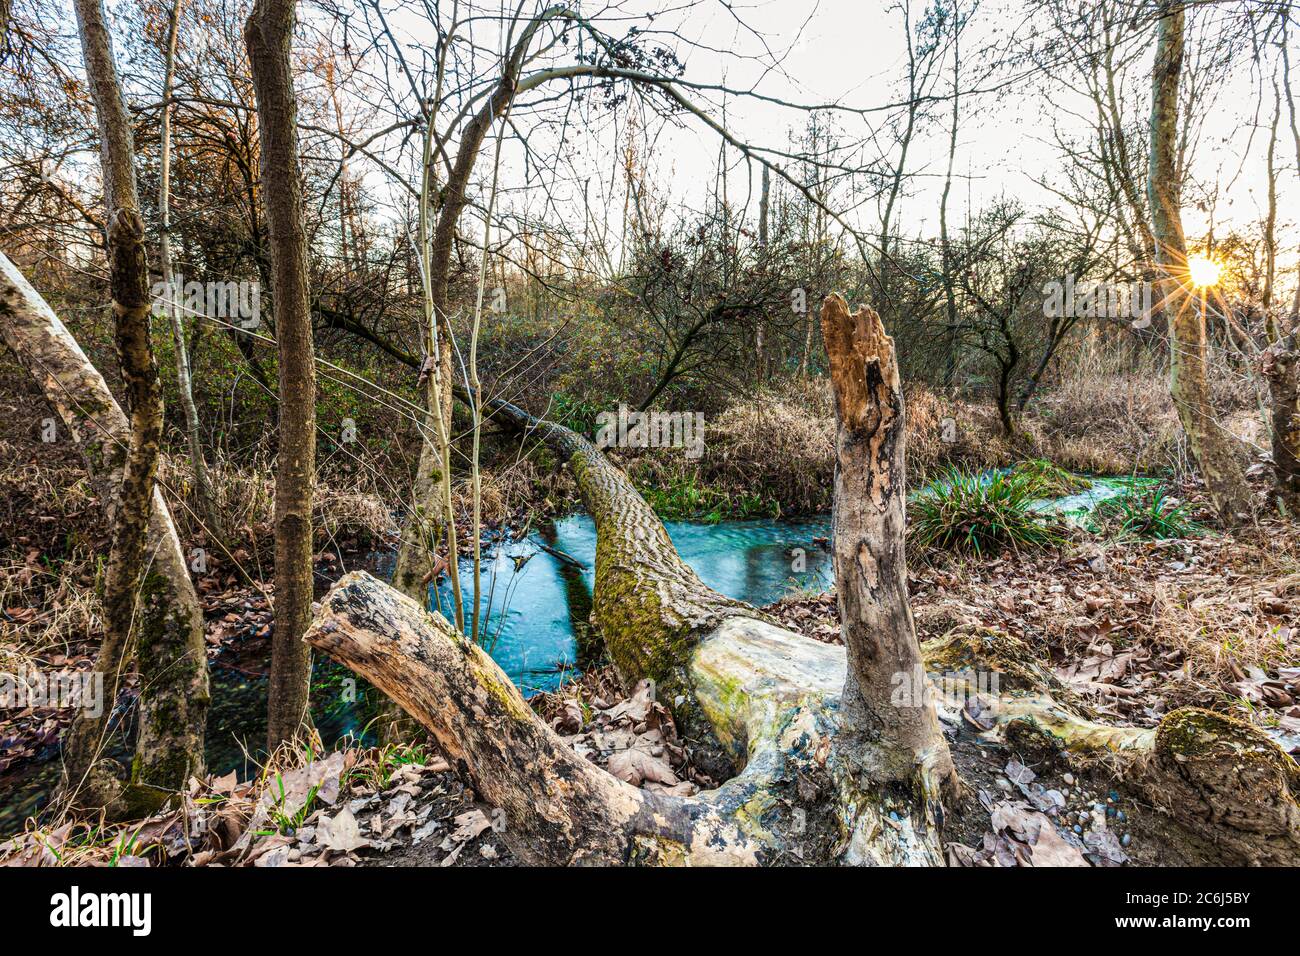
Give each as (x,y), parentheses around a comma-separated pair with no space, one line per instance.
(852,51)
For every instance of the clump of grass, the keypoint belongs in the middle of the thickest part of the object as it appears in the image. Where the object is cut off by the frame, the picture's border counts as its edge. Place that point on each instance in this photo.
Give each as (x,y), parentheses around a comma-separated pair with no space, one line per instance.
(1150,514)
(968,513)
(1042,479)
(244,497)
(375,769)
(685,497)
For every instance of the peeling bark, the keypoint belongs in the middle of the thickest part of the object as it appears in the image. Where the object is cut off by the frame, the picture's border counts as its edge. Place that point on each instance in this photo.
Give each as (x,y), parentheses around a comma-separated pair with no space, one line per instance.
(870,564)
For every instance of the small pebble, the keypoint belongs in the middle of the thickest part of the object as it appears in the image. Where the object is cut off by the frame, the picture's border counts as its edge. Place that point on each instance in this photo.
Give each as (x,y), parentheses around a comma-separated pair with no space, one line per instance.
(1068,778)
(1126,839)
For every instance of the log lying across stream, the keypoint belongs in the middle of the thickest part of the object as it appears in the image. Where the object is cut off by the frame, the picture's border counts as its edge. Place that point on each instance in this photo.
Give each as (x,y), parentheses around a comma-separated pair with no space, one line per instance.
(822,769)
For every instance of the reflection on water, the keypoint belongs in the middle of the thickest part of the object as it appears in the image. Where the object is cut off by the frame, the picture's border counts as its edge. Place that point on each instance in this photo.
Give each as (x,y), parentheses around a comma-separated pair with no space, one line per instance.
(536,624)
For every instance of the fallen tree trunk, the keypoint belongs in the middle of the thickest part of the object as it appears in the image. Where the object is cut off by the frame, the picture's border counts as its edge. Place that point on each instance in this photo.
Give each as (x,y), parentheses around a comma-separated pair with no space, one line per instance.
(813,782)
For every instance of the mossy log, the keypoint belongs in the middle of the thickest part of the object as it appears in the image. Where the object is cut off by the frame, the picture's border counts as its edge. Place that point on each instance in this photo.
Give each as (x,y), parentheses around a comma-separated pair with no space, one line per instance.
(771,695)
(814,780)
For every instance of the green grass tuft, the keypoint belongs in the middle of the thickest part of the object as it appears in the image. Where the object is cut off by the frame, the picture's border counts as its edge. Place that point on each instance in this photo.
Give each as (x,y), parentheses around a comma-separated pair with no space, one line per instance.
(683,497)
(1147,514)
(965,512)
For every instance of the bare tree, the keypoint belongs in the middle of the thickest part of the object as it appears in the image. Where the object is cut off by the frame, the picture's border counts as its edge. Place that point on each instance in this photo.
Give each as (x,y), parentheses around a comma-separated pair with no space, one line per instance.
(151,612)
(172,283)
(1188,381)
(268,35)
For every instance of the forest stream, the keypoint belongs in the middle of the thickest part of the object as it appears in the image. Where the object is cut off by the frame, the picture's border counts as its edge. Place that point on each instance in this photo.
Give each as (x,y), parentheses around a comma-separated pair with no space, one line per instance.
(535,626)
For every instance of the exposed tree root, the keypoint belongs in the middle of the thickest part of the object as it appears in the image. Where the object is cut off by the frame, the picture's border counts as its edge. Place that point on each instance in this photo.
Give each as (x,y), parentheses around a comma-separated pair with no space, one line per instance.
(1222,780)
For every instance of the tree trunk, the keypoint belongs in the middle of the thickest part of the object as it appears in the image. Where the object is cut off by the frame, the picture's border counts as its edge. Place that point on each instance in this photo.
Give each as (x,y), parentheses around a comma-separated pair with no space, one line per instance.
(432,491)
(1281,368)
(169,633)
(945,243)
(268,35)
(414,555)
(165,755)
(1188,381)
(903,742)
(764,210)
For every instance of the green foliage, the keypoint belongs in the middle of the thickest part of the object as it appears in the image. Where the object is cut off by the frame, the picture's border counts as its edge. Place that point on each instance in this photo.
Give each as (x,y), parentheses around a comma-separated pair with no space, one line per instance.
(284,820)
(1148,514)
(1042,479)
(574,412)
(684,497)
(964,511)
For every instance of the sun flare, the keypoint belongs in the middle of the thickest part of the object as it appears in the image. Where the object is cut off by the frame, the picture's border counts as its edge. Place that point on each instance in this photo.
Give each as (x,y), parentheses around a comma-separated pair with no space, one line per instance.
(1203,271)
